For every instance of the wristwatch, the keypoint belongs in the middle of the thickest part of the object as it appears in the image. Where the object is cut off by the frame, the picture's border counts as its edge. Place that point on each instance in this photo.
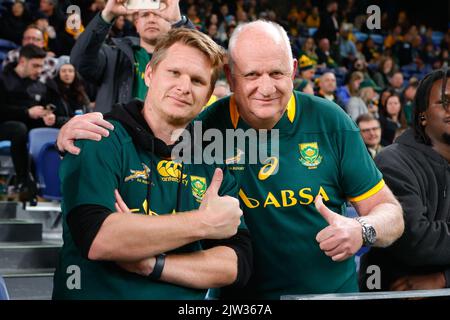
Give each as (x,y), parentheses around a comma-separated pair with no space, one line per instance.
(369,234)
(181,22)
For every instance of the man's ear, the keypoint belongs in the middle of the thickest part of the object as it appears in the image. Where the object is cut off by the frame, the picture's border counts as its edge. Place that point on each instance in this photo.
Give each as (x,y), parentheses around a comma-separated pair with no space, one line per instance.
(228,75)
(294,69)
(21,61)
(148,75)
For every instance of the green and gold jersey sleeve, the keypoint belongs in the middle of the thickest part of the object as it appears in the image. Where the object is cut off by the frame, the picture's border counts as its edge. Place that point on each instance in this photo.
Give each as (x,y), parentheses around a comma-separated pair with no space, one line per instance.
(91,176)
(359,175)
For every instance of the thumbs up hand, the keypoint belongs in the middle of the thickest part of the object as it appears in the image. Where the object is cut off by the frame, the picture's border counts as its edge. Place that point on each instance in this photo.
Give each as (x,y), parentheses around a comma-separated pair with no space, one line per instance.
(219,215)
(342,238)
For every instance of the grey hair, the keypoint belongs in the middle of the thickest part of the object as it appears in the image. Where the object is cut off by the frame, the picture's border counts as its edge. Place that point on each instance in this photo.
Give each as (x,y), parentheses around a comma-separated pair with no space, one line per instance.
(261,24)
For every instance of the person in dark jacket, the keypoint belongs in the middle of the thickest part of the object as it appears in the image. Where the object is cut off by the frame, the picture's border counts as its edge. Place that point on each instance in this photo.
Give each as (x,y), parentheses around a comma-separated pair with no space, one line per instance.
(417,169)
(24,100)
(329,25)
(118,70)
(156,249)
(14,22)
(71,93)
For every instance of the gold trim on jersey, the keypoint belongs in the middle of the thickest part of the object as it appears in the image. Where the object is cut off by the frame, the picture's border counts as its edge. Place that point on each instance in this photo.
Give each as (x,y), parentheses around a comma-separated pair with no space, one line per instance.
(369,193)
(234,113)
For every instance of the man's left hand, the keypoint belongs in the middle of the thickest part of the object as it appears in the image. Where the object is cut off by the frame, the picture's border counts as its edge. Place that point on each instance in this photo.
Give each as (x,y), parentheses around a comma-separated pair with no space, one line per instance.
(342,238)
(420,282)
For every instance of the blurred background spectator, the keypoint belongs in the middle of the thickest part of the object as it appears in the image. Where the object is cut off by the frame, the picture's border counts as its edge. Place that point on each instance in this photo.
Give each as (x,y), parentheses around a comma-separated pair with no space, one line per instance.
(337,54)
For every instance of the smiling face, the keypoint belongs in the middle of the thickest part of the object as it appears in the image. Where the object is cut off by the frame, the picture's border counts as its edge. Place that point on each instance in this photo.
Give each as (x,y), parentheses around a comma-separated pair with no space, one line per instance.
(437,118)
(179,85)
(370,132)
(261,76)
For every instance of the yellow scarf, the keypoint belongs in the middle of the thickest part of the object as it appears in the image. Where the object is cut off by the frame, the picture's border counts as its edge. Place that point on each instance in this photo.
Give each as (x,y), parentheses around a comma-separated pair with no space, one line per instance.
(75,32)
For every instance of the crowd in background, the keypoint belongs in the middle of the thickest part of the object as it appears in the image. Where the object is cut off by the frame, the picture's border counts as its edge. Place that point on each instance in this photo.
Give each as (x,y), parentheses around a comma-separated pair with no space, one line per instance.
(372,75)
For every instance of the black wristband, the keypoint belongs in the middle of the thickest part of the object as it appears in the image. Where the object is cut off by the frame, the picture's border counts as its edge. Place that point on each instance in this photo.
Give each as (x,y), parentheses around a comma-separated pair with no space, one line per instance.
(158,268)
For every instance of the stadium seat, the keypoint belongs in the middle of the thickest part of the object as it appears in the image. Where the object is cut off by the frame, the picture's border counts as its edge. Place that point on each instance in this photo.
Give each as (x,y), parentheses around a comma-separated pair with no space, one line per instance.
(377,38)
(436,37)
(46,161)
(6,45)
(3,290)
(47,167)
(312,31)
(4,147)
(6,165)
(360,36)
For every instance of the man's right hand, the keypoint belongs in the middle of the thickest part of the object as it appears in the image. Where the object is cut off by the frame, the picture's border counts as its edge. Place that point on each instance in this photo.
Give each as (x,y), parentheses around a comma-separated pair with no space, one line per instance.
(88,126)
(220,215)
(36,112)
(115,8)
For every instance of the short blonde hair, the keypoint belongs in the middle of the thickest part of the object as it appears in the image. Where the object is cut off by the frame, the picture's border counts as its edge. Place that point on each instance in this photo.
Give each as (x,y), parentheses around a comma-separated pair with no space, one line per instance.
(194,39)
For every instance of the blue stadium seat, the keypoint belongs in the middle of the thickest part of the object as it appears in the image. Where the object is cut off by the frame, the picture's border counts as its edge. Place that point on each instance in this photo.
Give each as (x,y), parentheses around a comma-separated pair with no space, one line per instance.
(6,165)
(377,38)
(46,160)
(38,137)
(6,45)
(4,147)
(436,37)
(47,167)
(360,36)
(312,31)
(3,290)
(409,68)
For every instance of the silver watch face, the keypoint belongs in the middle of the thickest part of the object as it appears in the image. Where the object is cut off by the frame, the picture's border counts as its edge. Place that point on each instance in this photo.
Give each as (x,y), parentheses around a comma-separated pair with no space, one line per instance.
(371,235)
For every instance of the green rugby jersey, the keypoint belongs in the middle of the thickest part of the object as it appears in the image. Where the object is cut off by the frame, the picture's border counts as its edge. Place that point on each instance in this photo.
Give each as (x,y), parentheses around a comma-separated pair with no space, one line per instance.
(91,177)
(321,151)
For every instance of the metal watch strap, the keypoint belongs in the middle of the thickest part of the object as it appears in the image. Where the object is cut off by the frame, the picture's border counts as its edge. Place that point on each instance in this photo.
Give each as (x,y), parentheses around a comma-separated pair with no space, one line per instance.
(364,230)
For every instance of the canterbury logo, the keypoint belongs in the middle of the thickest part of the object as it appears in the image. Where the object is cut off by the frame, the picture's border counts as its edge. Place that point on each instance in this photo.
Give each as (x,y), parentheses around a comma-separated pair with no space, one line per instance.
(270,167)
(170,169)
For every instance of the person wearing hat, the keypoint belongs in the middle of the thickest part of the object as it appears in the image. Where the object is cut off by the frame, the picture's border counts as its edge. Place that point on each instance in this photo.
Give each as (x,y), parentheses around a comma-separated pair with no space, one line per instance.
(365,102)
(307,68)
